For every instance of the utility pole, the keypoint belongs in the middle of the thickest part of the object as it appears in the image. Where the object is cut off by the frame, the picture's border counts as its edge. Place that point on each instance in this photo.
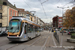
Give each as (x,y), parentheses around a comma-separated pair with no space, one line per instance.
(62,10)
(62,25)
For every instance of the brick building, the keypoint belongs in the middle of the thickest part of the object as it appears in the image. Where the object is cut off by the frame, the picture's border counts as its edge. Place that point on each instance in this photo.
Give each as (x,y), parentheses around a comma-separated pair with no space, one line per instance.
(21,12)
(55,21)
(60,20)
(7,10)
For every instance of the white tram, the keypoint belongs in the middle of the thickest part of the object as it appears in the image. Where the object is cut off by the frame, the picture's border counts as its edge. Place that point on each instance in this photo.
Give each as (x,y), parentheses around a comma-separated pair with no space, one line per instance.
(22,29)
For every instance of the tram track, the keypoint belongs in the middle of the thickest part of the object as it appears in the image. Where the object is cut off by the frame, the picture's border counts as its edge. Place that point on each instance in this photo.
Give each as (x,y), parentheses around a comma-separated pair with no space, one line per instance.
(43,46)
(33,42)
(17,44)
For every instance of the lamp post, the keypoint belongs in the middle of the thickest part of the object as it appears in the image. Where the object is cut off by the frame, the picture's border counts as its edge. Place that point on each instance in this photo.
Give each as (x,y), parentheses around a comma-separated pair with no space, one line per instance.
(62,24)
(62,10)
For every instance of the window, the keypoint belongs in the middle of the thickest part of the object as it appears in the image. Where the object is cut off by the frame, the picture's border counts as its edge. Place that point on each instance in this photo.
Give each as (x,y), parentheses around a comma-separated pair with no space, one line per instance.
(0,7)
(27,16)
(4,3)
(31,18)
(14,26)
(60,19)
(30,28)
(25,31)
(36,29)
(60,22)
(14,13)
(0,15)
(0,24)
(19,14)
(11,13)
(22,14)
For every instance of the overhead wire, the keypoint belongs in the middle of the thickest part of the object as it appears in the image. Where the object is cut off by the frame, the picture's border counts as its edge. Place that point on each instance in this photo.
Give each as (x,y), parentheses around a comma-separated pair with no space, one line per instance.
(43,8)
(27,4)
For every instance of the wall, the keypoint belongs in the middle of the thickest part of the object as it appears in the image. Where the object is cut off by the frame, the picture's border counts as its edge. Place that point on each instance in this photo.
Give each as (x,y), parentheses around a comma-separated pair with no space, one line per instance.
(14,13)
(55,21)
(60,22)
(4,16)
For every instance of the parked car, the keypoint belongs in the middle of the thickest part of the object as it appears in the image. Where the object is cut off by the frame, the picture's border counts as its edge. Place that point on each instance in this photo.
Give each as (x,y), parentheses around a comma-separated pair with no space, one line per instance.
(3,31)
(70,31)
(64,31)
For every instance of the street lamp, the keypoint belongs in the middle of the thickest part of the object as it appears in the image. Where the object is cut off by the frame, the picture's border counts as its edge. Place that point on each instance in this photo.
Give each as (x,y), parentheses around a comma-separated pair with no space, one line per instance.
(62,24)
(62,9)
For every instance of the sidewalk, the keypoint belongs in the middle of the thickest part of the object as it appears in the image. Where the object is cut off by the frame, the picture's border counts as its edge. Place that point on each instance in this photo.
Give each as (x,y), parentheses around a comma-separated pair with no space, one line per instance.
(63,40)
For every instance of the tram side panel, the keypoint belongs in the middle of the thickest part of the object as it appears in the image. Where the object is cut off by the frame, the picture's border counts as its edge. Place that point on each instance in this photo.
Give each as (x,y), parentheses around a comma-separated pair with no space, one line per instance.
(24,35)
(31,32)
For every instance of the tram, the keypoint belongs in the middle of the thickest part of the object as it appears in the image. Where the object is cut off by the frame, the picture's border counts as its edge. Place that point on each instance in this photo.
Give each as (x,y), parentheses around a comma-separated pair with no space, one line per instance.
(22,29)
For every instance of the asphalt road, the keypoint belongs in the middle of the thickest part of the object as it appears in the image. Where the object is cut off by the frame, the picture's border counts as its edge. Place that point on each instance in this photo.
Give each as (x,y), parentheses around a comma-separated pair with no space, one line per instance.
(44,42)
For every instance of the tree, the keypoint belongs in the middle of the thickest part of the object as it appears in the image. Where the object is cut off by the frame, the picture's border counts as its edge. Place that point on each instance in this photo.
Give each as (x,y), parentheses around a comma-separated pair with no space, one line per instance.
(69,20)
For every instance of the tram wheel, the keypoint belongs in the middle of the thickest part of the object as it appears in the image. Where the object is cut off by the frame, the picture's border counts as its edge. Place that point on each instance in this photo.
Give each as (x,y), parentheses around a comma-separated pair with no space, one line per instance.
(29,38)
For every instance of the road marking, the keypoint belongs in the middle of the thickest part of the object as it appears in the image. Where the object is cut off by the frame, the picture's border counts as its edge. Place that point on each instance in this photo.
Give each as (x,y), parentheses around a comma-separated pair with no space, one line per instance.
(61,40)
(53,40)
(64,47)
(43,47)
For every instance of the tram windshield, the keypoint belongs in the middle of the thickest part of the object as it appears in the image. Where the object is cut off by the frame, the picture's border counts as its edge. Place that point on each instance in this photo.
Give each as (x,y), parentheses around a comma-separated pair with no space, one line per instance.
(14,26)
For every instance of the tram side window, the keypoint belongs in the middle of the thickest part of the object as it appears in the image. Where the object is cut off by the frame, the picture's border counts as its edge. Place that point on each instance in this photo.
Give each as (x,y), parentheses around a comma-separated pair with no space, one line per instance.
(30,28)
(25,29)
(36,29)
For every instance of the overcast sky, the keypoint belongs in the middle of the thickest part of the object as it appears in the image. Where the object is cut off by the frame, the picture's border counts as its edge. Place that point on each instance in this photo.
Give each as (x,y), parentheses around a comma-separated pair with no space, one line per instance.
(50,7)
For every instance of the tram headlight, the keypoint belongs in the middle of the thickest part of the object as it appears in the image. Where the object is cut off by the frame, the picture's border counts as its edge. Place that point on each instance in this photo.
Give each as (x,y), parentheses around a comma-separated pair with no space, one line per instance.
(17,36)
(8,35)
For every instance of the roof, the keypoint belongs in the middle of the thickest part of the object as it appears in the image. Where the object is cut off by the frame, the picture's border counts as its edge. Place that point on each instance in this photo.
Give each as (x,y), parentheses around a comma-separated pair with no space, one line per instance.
(7,3)
(20,10)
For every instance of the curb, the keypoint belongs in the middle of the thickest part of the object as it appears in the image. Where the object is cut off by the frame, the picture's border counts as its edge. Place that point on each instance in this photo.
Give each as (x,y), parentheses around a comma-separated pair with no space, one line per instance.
(70,40)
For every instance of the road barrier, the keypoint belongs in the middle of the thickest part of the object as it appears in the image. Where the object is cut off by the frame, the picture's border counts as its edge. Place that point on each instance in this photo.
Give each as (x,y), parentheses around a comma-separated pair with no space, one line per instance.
(56,37)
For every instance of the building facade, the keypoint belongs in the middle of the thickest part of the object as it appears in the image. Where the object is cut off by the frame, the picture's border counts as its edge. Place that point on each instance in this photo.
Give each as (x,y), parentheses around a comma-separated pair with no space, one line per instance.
(21,12)
(60,20)
(55,21)
(7,10)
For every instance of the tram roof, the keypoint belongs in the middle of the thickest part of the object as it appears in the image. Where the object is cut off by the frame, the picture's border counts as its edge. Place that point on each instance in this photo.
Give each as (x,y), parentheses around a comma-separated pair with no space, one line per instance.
(22,18)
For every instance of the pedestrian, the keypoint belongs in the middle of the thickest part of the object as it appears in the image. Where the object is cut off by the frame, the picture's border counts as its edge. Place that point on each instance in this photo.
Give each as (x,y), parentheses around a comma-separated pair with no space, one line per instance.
(62,31)
(56,29)
(49,29)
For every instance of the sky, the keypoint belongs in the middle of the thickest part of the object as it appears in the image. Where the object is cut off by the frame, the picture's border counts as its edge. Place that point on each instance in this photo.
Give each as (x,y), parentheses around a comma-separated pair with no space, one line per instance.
(49,9)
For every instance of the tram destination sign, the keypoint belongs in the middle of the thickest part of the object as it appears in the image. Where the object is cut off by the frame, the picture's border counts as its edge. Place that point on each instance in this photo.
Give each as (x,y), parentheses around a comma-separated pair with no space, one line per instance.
(15,20)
